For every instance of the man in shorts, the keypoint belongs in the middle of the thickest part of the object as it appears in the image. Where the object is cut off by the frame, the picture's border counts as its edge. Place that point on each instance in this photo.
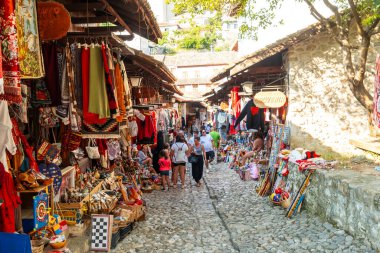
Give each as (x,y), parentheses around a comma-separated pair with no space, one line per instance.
(216,142)
(207,142)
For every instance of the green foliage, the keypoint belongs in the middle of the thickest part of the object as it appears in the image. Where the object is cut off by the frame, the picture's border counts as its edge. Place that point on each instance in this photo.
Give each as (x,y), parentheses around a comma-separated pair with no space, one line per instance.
(259,15)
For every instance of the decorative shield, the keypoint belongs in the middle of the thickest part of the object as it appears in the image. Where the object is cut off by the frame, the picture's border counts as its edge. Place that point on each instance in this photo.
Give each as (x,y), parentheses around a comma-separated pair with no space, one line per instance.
(40,207)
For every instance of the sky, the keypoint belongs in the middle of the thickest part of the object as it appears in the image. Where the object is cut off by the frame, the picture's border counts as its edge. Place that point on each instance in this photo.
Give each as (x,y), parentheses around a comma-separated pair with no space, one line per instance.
(295,16)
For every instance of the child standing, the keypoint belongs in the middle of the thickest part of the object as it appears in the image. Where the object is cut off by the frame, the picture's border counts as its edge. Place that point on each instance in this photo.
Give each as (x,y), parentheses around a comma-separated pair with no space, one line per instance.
(165,166)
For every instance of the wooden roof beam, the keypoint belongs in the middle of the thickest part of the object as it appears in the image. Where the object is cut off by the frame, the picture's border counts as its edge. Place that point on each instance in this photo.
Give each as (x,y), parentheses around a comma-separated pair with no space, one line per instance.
(111,10)
(148,20)
(92,20)
(82,6)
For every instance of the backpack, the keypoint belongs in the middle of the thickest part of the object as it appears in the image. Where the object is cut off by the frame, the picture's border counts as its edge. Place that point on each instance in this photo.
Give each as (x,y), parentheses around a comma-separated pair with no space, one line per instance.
(180,155)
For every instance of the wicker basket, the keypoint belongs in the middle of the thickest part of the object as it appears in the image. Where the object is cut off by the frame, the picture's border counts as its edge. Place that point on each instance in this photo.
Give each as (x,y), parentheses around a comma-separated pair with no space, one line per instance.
(148,190)
(37,246)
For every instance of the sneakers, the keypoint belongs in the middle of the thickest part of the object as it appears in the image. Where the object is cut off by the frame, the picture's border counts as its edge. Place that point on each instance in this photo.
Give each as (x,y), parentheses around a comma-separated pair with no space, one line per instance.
(183,187)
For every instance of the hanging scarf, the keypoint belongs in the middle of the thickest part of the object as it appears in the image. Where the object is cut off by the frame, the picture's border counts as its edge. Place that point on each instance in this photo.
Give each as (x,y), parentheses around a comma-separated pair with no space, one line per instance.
(120,93)
(53,73)
(76,52)
(9,46)
(28,150)
(74,122)
(127,90)
(110,89)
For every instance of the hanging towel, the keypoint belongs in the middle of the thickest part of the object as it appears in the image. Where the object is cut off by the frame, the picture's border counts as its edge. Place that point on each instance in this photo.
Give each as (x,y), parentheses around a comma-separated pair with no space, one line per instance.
(109,85)
(98,100)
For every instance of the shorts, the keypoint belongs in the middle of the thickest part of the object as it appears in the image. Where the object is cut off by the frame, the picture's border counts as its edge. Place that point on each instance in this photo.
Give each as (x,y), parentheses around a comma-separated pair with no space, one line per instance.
(210,155)
(164,173)
(179,164)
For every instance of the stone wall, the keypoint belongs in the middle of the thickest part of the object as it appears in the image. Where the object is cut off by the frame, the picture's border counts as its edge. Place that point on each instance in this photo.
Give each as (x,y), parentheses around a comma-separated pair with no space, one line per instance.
(323,113)
(345,198)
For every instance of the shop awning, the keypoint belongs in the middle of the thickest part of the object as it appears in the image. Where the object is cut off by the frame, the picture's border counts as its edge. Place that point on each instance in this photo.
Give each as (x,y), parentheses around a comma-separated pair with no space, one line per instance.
(100,17)
(157,72)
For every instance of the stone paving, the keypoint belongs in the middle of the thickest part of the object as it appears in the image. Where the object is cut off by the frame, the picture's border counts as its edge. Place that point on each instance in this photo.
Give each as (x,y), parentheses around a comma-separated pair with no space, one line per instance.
(226,215)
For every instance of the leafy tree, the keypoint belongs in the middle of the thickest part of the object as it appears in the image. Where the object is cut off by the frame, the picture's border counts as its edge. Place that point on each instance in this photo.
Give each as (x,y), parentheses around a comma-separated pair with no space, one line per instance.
(363,14)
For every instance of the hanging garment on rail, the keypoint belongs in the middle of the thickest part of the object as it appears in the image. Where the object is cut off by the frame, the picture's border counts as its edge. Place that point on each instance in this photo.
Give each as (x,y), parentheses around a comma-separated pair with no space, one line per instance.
(255,116)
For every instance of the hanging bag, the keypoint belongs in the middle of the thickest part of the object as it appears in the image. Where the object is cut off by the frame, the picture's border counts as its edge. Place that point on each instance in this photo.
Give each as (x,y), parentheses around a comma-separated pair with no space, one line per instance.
(193,159)
(92,151)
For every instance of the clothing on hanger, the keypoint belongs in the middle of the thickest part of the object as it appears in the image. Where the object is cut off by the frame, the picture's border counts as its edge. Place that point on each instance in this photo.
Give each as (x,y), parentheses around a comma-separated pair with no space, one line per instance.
(255,116)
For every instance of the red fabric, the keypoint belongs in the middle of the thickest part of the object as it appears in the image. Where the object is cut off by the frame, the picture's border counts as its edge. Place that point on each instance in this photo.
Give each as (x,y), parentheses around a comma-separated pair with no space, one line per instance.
(89,118)
(8,193)
(235,101)
(109,86)
(254,110)
(27,148)
(154,120)
(165,164)
(8,38)
(102,146)
(146,129)
(232,129)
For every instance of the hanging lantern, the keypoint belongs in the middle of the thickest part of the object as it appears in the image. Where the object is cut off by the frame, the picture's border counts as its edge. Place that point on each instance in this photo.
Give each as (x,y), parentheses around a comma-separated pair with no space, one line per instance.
(135,80)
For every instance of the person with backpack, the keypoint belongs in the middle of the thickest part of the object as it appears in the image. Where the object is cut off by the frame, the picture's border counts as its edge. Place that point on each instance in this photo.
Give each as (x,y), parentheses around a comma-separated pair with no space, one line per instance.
(179,153)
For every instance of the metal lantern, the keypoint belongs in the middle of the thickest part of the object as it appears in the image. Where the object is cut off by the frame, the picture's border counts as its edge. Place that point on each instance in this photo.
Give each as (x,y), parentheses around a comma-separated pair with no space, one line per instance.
(135,80)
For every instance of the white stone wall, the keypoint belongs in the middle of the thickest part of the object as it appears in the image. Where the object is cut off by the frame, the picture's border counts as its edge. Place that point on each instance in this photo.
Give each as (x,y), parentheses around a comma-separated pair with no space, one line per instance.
(323,113)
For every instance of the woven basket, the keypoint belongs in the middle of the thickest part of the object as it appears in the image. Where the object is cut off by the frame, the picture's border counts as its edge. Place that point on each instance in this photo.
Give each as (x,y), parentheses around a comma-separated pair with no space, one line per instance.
(150,190)
(37,246)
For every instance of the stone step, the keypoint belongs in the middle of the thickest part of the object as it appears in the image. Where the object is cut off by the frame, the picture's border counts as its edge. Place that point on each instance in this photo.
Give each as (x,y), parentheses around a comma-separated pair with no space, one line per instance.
(348,199)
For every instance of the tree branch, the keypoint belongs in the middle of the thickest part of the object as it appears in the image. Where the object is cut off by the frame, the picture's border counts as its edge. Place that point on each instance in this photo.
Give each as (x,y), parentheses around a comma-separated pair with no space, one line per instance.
(335,10)
(357,18)
(374,28)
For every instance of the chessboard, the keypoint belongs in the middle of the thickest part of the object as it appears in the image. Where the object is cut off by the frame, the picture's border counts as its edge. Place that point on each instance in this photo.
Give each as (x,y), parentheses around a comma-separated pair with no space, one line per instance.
(101,232)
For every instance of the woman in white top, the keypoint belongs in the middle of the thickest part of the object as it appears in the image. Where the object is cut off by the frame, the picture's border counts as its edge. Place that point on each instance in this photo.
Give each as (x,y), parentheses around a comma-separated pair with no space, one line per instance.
(179,153)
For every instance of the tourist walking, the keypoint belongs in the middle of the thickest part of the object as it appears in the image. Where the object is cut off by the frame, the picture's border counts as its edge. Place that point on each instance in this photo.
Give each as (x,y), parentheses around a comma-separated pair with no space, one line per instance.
(165,166)
(207,143)
(179,153)
(199,154)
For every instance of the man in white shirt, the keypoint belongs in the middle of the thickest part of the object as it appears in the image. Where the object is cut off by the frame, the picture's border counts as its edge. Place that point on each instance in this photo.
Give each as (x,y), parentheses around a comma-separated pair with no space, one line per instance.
(207,142)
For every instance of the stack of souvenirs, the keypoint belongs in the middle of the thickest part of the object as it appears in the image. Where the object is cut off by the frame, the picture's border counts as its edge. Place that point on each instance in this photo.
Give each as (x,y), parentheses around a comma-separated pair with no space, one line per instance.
(67,128)
(274,165)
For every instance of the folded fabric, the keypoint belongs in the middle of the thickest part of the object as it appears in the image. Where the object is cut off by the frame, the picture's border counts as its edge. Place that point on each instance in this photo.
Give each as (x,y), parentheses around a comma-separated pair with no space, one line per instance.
(15,243)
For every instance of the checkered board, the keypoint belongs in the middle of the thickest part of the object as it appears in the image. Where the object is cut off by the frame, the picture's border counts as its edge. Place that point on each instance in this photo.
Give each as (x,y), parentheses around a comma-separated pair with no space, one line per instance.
(101,232)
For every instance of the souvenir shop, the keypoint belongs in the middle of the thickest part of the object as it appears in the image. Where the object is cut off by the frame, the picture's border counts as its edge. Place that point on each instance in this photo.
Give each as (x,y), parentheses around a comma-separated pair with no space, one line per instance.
(75,108)
(258,140)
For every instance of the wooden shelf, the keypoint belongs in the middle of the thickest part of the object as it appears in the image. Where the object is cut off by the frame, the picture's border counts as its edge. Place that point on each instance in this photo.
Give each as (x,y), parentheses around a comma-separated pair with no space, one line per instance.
(37,189)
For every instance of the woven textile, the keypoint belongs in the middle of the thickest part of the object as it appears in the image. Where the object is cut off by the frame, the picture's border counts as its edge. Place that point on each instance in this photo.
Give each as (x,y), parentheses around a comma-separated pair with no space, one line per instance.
(29,52)
(9,47)
(108,130)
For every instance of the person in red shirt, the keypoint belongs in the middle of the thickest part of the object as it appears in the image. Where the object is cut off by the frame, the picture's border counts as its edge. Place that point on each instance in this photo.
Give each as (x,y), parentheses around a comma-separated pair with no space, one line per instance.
(165,166)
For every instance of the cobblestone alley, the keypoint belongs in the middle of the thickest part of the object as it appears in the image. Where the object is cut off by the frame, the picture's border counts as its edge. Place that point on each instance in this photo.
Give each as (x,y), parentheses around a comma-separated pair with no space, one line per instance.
(226,215)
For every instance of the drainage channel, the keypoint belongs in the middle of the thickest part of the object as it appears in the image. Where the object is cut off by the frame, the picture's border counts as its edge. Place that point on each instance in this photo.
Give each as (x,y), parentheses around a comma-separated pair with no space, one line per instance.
(214,200)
